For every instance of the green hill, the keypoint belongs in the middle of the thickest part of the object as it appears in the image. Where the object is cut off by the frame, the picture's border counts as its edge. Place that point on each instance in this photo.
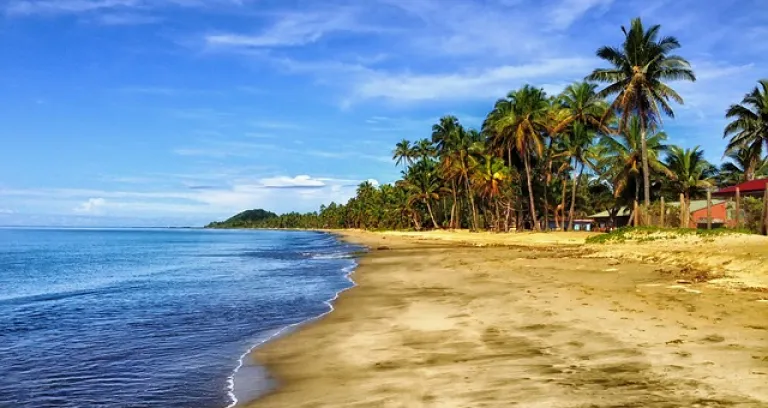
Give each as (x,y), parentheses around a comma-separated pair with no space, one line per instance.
(245,219)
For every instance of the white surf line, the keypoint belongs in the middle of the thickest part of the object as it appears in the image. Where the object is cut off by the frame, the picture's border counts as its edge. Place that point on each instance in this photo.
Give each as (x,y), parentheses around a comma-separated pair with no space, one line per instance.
(241,361)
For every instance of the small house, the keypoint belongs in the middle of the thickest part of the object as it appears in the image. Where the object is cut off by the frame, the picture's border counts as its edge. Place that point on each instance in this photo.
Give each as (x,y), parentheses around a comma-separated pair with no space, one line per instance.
(621,217)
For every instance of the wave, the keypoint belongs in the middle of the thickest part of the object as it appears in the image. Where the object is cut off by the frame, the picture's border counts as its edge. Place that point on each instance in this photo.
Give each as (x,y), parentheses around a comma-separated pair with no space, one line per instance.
(348,271)
(333,255)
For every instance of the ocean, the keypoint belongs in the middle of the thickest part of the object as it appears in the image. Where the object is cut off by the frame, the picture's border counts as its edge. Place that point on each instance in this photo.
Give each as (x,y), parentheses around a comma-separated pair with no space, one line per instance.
(153,317)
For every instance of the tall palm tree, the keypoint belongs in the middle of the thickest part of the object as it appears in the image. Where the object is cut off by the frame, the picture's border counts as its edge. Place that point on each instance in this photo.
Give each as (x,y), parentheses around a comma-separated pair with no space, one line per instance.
(690,172)
(518,122)
(446,137)
(404,153)
(746,164)
(749,127)
(639,69)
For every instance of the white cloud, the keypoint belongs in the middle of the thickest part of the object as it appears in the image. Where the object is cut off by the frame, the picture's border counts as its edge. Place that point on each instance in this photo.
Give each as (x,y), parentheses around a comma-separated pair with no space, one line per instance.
(38,7)
(492,82)
(277,193)
(6,211)
(124,19)
(295,29)
(291,182)
(29,7)
(568,11)
(92,206)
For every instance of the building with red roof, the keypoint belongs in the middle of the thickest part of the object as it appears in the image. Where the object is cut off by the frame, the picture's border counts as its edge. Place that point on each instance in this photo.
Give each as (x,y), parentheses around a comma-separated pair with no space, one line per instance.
(754,188)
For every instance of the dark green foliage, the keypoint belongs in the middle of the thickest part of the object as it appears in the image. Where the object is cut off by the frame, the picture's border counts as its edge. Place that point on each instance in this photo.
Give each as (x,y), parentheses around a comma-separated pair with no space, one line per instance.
(245,219)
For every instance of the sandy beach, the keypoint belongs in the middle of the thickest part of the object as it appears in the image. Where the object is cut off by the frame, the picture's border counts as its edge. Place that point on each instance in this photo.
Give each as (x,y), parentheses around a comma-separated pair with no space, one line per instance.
(499,320)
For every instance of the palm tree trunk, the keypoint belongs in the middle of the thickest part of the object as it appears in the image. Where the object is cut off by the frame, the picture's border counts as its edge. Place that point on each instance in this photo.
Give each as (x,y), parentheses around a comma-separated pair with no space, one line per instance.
(562,209)
(534,220)
(573,198)
(471,204)
(453,207)
(416,224)
(506,216)
(646,175)
(431,216)
(546,206)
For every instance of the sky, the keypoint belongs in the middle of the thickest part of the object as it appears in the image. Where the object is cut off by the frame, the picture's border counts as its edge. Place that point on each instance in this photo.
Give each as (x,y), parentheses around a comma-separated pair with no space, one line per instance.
(180,112)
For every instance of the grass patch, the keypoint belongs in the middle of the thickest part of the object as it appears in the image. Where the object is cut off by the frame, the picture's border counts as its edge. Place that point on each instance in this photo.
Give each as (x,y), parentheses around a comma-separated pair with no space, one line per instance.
(647,234)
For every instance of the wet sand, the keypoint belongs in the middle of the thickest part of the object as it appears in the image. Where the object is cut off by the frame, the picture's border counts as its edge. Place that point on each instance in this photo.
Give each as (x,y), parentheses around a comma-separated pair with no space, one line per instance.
(444,323)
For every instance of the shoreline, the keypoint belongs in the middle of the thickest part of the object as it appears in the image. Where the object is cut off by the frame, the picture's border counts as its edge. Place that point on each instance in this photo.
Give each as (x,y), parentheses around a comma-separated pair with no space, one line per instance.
(425,311)
(284,331)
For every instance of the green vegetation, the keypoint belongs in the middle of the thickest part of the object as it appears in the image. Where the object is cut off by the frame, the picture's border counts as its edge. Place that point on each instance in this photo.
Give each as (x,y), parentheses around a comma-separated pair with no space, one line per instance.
(646,234)
(543,161)
(245,219)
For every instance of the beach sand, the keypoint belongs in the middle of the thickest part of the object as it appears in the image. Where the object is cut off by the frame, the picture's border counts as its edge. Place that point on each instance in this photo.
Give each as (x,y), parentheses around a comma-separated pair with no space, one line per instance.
(500,320)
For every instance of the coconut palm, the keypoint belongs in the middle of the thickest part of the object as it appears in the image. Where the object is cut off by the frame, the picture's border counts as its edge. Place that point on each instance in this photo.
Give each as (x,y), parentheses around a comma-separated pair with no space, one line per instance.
(690,173)
(424,149)
(582,104)
(404,153)
(518,122)
(446,137)
(488,174)
(746,164)
(623,157)
(576,148)
(424,185)
(639,69)
(749,125)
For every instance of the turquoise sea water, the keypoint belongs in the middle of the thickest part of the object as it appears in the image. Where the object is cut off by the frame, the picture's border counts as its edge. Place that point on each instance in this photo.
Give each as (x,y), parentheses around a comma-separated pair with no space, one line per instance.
(153,318)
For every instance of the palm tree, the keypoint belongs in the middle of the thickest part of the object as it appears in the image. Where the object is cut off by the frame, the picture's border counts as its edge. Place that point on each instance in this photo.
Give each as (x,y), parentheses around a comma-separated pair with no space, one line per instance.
(487,176)
(446,137)
(424,149)
(690,173)
(404,153)
(749,127)
(518,122)
(623,156)
(587,113)
(423,185)
(745,164)
(639,68)
(576,147)
(583,105)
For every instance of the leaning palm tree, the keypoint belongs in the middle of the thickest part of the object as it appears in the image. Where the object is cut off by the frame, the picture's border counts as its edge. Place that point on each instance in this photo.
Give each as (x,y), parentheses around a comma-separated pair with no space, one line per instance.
(639,69)
(518,122)
(745,164)
(749,127)
(404,153)
(690,173)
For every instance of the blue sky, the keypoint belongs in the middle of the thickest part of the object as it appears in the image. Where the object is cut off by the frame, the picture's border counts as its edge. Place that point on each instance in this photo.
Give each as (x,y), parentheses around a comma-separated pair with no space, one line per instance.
(178,112)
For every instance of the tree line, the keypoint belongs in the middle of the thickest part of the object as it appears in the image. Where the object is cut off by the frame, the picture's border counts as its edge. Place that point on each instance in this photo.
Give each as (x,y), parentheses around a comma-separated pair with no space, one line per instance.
(540,160)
